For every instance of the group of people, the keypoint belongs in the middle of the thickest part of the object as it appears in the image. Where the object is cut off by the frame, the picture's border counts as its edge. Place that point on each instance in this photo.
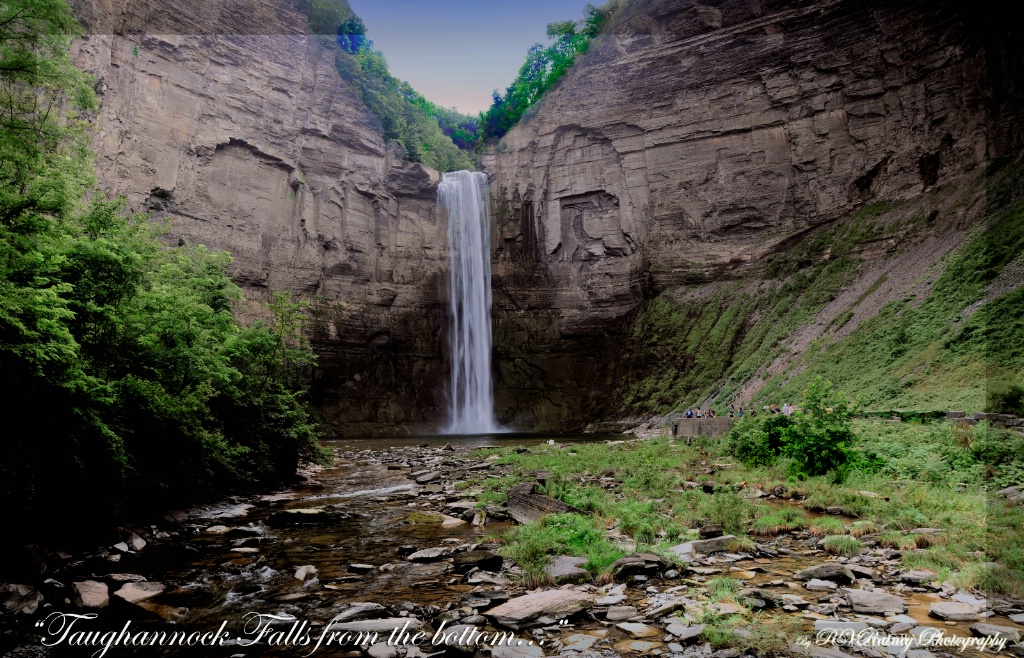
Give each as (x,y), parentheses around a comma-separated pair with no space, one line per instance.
(786,409)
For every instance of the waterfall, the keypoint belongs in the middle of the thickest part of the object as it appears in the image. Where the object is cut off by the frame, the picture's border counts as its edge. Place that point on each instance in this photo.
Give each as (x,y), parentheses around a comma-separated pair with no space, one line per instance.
(465,198)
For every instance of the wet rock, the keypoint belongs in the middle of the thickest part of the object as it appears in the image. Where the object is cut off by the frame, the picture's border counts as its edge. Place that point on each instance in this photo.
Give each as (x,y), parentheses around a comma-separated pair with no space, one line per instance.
(580,642)
(839,626)
(642,647)
(20,599)
(485,560)
(124,578)
(521,650)
(430,554)
(862,572)
(710,531)
(217,530)
(381,626)
(875,603)
(684,632)
(995,630)
(640,631)
(565,569)
(525,506)
(770,599)
(382,650)
(620,612)
(698,610)
(953,611)
(135,592)
(555,604)
(428,477)
(816,585)
(1017,619)
(918,577)
(613,599)
(646,564)
(361,568)
(91,594)
(703,546)
(304,516)
(833,571)
(306,572)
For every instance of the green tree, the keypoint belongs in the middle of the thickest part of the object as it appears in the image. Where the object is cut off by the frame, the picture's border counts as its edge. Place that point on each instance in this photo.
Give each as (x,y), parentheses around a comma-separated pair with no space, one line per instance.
(820,438)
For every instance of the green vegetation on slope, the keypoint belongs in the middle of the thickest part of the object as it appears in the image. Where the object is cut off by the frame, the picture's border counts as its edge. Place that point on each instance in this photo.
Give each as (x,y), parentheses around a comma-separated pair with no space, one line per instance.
(133,382)
(953,349)
(904,476)
(926,354)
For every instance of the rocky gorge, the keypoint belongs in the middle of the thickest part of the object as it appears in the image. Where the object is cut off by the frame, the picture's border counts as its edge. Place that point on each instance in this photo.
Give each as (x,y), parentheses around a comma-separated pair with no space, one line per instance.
(399,537)
(693,146)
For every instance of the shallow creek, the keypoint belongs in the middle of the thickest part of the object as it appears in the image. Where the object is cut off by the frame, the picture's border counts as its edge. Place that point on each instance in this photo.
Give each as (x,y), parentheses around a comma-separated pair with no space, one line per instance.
(232,559)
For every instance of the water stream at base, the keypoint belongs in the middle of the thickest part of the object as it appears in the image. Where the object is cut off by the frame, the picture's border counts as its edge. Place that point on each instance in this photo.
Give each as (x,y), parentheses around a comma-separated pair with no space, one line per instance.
(209,581)
(463,195)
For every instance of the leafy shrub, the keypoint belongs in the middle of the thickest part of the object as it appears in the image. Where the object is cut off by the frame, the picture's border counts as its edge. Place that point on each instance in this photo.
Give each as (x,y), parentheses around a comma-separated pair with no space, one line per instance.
(820,438)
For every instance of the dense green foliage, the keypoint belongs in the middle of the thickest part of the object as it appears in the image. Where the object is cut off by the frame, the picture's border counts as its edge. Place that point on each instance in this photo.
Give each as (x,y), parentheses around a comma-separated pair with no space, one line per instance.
(122,363)
(817,439)
(543,68)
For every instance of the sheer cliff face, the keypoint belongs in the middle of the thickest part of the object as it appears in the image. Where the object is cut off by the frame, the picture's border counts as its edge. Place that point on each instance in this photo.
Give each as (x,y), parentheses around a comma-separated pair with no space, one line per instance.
(228,119)
(695,139)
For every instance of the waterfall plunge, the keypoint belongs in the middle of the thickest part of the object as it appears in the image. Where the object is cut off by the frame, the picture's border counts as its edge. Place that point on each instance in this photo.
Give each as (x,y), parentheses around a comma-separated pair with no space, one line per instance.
(465,198)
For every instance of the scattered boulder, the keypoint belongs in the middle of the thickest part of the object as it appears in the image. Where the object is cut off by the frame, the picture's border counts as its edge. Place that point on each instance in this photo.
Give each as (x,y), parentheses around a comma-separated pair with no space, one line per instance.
(430,554)
(21,599)
(359,610)
(703,546)
(953,611)
(710,531)
(995,630)
(91,594)
(306,572)
(815,585)
(381,626)
(833,571)
(875,603)
(525,506)
(918,577)
(555,604)
(641,631)
(135,592)
(684,632)
(304,516)
(565,569)
(646,564)
(621,612)
(486,560)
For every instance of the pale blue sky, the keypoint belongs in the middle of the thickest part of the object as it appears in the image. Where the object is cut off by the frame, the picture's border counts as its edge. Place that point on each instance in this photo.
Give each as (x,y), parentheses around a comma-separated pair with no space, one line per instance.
(455,52)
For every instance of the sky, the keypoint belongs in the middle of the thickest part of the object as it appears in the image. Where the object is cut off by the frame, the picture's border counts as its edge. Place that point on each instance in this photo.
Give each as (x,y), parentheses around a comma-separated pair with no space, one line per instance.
(456,52)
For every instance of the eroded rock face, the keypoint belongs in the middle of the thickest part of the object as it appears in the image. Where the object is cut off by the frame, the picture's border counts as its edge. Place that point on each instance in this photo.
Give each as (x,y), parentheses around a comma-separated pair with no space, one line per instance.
(692,141)
(233,122)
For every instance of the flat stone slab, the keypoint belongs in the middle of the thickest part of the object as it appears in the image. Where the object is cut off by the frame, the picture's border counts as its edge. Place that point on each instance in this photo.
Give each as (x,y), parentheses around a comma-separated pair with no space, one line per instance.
(703,546)
(995,630)
(953,611)
(840,626)
(526,506)
(684,632)
(556,604)
(377,625)
(91,594)
(135,592)
(919,577)
(430,554)
(640,631)
(621,612)
(565,569)
(827,571)
(875,603)
(816,585)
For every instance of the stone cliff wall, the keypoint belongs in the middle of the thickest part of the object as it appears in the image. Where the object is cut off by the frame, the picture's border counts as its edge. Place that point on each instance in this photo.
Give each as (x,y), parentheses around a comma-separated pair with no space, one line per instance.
(694,140)
(227,118)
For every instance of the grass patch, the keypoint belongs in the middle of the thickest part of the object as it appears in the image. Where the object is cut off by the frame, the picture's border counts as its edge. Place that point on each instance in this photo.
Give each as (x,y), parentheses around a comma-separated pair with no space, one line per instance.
(531,546)
(842,545)
(827,525)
